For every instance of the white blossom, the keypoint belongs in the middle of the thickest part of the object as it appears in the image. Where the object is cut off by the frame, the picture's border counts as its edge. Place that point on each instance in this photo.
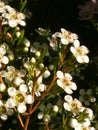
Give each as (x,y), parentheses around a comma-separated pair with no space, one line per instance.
(65,82)
(80,52)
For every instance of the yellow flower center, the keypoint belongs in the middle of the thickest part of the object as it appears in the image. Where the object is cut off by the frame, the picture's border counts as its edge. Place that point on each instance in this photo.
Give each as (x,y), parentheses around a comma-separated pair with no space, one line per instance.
(2,110)
(19,98)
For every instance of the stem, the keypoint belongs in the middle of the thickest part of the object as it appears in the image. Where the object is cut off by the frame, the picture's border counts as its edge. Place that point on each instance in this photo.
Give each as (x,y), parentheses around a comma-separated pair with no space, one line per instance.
(20,120)
(47,126)
(28,118)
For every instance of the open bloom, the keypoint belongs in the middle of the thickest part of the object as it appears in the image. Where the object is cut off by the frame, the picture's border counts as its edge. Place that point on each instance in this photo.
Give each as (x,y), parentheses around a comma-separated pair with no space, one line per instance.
(39,87)
(66,37)
(80,126)
(73,105)
(65,82)
(11,16)
(19,98)
(4,111)
(80,52)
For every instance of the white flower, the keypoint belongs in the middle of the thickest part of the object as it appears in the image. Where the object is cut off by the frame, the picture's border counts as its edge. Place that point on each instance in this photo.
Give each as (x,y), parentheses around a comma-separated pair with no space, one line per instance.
(19,98)
(65,82)
(66,36)
(80,52)
(81,126)
(71,105)
(16,18)
(10,74)
(53,42)
(4,111)
(39,86)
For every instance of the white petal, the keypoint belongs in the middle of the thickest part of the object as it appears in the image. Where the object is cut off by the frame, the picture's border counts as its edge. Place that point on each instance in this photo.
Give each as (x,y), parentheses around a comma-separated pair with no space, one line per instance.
(68,98)
(21,108)
(10,103)
(80,59)
(64,41)
(68,90)
(22,23)
(12,23)
(23,88)
(86,59)
(29,99)
(74,87)
(60,74)
(5,60)
(73,123)
(68,76)
(66,106)
(76,43)
(4,117)
(59,83)
(11,91)
(73,50)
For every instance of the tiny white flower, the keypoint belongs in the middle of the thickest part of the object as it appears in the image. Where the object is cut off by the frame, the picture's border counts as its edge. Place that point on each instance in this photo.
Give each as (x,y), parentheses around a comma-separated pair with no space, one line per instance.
(65,82)
(66,37)
(72,105)
(80,52)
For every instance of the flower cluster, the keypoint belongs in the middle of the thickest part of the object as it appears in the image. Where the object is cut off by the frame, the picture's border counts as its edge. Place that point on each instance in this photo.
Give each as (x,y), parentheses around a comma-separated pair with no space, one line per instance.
(36,75)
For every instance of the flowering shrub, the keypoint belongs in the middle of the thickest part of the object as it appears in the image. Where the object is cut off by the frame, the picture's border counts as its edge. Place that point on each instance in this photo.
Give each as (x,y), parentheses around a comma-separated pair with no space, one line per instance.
(37,85)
